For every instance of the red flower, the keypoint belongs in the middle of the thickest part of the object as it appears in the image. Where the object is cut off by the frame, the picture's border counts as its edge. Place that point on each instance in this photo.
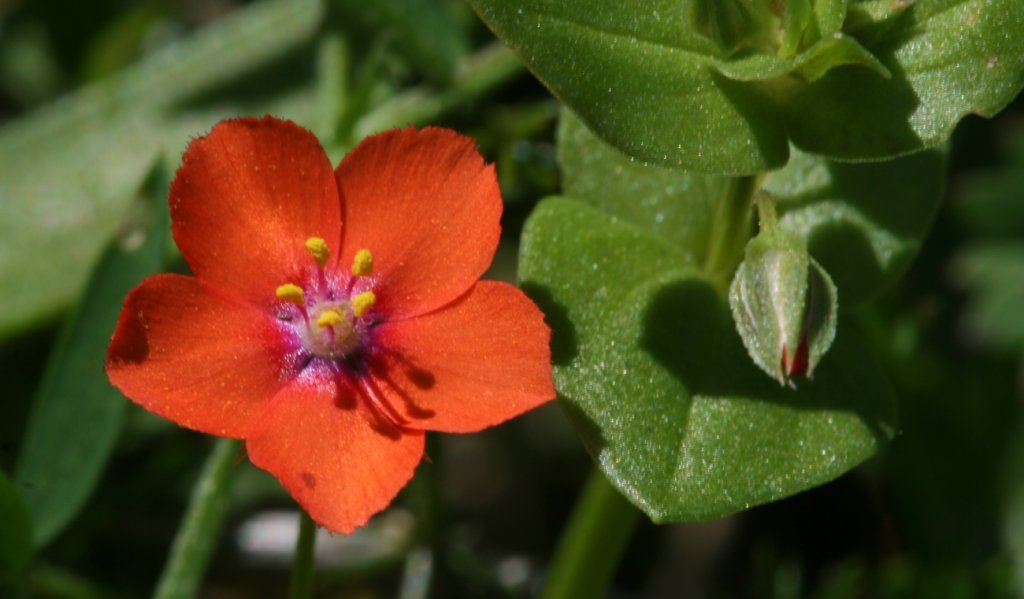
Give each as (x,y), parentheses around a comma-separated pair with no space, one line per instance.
(334,316)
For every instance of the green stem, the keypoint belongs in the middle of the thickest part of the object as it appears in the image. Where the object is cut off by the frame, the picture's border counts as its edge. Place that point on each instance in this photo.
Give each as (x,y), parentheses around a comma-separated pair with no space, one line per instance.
(332,90)
(302,565)
(730,230)
(592,543)
(476,75)
(197,538)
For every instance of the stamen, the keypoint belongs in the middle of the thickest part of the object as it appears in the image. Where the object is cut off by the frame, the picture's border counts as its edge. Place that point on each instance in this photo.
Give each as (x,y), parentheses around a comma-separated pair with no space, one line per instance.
(291,293)
(318,247)
(329,318)
(363,302)
(381,405)
(362,264)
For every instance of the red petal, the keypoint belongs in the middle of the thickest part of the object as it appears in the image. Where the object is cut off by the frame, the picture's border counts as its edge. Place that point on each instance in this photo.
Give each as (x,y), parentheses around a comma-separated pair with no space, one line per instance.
(329,451)
(196,356)
(472,364)
(246,199)
(427,207)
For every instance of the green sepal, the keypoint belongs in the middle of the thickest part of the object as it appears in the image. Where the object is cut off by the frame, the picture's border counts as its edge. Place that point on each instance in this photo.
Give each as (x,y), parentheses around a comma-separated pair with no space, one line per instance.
(783,302)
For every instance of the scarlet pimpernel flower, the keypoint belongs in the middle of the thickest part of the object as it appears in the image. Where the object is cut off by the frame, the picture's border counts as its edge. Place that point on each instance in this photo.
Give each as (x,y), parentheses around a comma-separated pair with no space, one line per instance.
(334,316)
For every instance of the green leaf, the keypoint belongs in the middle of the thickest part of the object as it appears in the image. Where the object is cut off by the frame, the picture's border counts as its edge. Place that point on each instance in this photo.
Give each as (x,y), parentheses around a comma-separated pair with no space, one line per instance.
(16,533)
(809,65)
(651,370)
(642,77)
(68,171)
(865,222)
(76,417)
(654,81)
(862,222)
(948,59)
(674,204)
(829,16)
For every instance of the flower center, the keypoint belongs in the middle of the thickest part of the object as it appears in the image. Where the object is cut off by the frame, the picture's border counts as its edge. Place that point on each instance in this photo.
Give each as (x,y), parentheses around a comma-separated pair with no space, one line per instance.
(329,317)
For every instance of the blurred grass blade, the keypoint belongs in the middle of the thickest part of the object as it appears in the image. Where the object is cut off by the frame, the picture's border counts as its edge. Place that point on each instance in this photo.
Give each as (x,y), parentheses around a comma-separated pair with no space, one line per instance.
(68,170)
(76,417)
(426,33)
(16,532)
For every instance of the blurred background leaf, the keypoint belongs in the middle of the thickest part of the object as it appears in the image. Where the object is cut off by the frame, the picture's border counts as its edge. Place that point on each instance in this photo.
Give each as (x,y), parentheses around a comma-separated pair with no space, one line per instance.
(16,533)
(428,34)
(68,170)
(76,416)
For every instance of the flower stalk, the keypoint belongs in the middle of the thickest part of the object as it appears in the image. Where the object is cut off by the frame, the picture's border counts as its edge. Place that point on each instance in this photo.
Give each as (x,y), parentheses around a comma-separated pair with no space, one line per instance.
(197,538)
(730,230)
(303,563)
(593,542)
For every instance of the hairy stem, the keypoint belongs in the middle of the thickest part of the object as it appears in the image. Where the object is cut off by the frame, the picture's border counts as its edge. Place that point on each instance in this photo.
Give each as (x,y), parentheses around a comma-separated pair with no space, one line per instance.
(197,538)
(730,230)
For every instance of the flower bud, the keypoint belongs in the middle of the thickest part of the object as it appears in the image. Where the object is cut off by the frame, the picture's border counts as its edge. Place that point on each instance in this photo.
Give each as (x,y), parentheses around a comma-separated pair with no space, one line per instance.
(783,302)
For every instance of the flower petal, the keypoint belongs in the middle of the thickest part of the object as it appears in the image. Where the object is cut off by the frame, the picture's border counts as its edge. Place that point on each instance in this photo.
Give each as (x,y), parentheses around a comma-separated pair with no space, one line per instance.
(329,451)
(479,361)
(428,208)
(195,355)
(247,197)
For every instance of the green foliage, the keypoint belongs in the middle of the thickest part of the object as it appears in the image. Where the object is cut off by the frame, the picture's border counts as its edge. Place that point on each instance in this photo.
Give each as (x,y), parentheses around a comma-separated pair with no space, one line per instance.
(993,269)
(994,272)
(659,384)
(676,205)
(720,91)
(16,532)
(426,32)
(862,222)
(646,333)
(77,415)
(631,266)
(68,171)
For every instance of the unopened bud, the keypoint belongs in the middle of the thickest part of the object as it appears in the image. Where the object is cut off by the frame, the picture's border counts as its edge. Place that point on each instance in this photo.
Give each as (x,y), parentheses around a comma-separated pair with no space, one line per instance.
(783,302)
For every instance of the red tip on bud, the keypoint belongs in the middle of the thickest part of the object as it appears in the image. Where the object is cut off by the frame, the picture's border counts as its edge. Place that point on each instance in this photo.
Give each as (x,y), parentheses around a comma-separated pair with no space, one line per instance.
(800,362)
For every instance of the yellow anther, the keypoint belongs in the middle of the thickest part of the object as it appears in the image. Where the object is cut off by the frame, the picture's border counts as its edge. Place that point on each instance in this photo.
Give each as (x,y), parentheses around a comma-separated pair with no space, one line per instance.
(362,264)
(363,302)
(329,318)
(290,292)
(318,247)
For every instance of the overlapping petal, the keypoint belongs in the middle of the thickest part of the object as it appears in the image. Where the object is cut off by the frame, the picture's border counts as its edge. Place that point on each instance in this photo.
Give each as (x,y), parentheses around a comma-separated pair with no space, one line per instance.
(221,354)
(427,206)
(332,453)
(477,362)
(192,354)
(246,198)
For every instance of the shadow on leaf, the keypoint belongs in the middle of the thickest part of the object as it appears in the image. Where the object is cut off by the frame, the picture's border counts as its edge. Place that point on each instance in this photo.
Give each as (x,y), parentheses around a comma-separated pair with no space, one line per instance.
(690,333)
(563,332)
